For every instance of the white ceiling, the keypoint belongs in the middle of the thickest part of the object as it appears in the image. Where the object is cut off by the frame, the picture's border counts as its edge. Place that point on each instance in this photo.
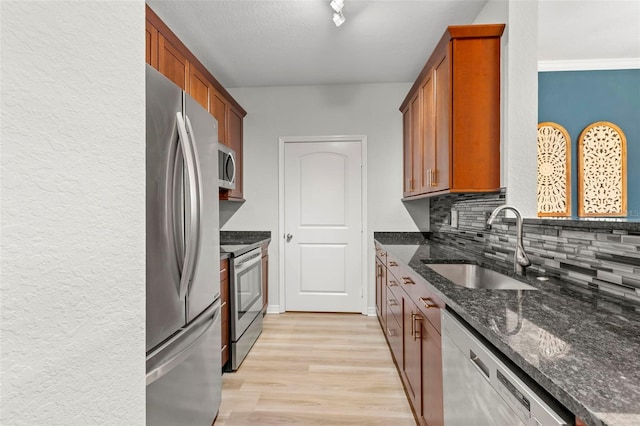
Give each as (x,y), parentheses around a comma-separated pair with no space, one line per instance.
(248,43)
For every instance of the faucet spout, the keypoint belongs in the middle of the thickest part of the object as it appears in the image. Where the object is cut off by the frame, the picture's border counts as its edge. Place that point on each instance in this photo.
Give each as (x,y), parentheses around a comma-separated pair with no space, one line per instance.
(520,258)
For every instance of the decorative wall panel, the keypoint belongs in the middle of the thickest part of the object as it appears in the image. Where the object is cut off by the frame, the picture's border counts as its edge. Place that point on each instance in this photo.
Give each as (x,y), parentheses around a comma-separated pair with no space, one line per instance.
(602,171)
(554,170)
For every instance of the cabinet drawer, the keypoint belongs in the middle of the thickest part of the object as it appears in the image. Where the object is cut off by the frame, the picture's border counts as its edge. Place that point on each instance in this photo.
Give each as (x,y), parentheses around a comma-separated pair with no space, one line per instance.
(224,342)
(381,254)
(394,305)
(394,337)
(418,290)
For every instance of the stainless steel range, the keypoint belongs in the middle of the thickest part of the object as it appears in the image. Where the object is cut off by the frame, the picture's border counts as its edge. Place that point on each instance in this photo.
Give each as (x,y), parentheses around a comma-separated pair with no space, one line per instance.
(245,300)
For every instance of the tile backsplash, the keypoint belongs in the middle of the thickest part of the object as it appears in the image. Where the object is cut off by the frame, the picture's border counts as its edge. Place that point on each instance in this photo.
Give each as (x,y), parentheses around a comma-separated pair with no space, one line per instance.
(594,254)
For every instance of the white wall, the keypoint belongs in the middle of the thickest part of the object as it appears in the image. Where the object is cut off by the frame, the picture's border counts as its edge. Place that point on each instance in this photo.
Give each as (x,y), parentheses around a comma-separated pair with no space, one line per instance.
(370,109)
(519,97)
(73,211)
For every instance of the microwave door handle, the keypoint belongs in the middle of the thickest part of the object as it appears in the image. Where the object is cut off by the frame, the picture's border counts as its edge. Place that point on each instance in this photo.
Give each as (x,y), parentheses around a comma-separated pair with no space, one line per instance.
(233,161)
(191,237)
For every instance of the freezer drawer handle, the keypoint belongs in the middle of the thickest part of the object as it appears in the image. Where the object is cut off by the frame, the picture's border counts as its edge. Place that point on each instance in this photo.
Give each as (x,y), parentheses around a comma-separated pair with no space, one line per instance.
(181,354)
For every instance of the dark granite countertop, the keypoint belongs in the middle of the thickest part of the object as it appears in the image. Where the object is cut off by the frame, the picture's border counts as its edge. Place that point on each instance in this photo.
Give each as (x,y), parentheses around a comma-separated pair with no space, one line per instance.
(235,243)
(581,346)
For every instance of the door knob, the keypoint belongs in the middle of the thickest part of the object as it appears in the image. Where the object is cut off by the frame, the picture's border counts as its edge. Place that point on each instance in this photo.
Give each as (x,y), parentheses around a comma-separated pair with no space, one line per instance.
(289,237)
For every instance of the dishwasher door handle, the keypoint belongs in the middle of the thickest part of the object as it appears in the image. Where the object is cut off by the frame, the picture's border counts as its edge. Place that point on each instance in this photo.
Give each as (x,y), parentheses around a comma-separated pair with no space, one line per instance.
(480,365)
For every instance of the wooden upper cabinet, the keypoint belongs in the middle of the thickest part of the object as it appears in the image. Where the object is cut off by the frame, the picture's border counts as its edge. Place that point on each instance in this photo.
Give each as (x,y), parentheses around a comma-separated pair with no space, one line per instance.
(166,52)
(151,51)
(172,64)
(459,125)
(428,129)
(218,108)
(440,179)
(199,87)
(407,186)
(234,141)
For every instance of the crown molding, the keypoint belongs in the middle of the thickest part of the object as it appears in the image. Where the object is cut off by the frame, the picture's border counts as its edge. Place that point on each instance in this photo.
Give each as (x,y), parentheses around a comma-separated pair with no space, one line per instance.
(589,64)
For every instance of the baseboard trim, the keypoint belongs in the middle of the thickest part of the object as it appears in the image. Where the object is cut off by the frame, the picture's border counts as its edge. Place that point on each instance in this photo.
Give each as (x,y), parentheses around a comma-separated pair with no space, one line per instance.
(371,311)
(273,309)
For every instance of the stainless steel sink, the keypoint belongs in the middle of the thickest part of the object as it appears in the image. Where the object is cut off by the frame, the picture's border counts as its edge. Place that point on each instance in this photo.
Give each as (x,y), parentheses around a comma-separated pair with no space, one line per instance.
(474,276)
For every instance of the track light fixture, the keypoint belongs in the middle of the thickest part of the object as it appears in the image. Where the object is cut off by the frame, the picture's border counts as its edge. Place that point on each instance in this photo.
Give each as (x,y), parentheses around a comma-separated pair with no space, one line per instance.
(338,16)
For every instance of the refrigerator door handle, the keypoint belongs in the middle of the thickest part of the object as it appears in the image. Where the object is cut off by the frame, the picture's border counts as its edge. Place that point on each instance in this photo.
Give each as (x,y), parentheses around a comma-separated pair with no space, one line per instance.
(197,185)
(179,347)
(193,211)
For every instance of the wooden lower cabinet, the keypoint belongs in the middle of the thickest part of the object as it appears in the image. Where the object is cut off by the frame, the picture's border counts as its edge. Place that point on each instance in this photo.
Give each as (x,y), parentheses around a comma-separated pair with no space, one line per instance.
(224,310)
(381,291)
(414,338)
(431,356)
(412,368)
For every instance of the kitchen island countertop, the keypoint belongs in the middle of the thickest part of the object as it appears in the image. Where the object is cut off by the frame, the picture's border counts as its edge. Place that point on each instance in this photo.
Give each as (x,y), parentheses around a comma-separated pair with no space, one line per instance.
(580,345)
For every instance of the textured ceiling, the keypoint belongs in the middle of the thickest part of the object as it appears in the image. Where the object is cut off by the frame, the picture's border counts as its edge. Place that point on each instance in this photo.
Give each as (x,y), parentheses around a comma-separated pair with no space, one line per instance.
(274,43)
(294,42)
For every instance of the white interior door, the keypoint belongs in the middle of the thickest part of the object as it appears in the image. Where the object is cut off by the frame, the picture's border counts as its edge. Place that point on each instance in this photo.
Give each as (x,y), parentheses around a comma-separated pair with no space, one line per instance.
(323,225)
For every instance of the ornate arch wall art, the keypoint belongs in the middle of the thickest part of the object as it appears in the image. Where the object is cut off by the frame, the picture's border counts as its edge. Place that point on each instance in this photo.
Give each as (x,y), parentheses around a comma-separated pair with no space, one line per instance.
(554,170)
(602,170)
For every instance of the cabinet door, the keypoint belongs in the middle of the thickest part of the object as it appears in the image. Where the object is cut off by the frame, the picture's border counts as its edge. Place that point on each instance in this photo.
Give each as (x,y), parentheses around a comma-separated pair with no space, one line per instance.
(413,354)
(432,405)
(381,291)
(417,168)
(151,50)
(199,87)
(172,64)
(234,134)
(442,77)
(407,186)
(218,108)
(428,152)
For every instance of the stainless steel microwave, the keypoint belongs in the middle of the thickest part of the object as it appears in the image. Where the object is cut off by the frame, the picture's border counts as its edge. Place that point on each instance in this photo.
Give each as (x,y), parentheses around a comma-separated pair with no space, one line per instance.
(226,167)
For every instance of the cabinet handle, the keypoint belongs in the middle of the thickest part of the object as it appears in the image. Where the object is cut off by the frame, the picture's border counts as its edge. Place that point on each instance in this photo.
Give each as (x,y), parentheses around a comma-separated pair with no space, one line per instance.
(392,263)
(434,178)
(409,185)
(428,177)
(223,348)
(393,283)
(417,334)
(428,302)
(223,303)
(392,302)
(379,270)
(390,332)
(407,280)
(413,324)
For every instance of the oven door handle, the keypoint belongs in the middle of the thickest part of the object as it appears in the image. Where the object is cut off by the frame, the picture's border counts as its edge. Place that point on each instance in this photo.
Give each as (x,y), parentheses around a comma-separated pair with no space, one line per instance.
(248,262)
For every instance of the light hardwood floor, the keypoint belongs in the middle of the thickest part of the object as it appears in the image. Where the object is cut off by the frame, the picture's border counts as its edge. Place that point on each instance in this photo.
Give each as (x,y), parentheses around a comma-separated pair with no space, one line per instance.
(316,369)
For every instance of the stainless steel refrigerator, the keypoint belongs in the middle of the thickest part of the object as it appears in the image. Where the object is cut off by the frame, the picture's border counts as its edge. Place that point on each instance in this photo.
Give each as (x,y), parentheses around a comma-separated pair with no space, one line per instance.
(183,258)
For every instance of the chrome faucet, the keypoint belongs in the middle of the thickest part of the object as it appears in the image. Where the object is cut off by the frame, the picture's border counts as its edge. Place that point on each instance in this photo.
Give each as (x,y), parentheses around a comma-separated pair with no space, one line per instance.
(520,259)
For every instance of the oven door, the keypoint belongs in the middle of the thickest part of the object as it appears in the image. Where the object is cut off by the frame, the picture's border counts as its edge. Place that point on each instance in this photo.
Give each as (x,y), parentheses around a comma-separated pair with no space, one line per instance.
(247,291)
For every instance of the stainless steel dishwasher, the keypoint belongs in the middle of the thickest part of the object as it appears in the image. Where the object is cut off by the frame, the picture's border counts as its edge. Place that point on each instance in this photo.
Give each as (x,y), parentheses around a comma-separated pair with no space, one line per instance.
(481,390)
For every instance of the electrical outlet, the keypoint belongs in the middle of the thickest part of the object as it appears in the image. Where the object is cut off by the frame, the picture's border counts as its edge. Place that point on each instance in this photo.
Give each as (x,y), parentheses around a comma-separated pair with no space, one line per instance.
(454,218)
